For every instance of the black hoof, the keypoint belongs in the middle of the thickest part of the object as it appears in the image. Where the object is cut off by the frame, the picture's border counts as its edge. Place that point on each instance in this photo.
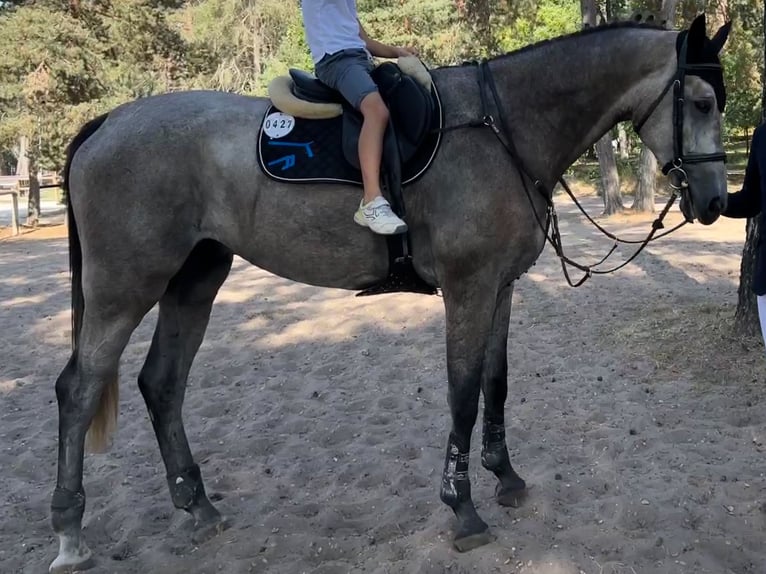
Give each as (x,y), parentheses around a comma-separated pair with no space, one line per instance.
(466,543)
(209,530)
(512,497)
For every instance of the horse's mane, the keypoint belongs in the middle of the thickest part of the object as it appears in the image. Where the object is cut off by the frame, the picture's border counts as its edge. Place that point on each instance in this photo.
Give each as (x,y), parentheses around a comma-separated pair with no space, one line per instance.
(618,25)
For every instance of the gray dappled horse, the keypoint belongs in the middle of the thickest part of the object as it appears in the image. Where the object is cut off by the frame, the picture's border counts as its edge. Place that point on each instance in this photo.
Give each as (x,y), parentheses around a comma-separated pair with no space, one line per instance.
(164,191)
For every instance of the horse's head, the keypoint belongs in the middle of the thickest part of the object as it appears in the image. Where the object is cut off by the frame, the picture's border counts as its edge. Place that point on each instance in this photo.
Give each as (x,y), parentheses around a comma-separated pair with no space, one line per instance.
(682,123)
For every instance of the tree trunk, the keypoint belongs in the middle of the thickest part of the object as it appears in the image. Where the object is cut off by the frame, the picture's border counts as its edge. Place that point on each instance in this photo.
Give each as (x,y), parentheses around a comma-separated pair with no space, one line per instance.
(669,13)
(647,166)
(746,316)
(22,163)
(33,206)
(610,179)
(647,181)
(479,13)
(721,14)
(622,137)
(589,12)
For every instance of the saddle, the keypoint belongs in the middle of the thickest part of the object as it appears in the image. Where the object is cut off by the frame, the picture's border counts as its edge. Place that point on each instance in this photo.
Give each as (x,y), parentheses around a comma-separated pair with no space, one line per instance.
(411,107)
(415,112)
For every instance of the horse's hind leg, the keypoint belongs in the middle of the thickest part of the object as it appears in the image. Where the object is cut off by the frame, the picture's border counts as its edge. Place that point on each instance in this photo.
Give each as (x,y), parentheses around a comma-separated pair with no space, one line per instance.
(494,384)
(87,385)
(183,317)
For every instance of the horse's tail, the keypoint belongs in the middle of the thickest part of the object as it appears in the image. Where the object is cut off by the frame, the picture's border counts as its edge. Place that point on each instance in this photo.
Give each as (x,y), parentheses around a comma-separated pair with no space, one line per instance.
(105,419)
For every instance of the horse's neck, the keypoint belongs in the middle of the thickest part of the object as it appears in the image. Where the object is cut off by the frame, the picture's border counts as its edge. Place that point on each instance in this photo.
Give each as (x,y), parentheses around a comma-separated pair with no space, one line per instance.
(563,96)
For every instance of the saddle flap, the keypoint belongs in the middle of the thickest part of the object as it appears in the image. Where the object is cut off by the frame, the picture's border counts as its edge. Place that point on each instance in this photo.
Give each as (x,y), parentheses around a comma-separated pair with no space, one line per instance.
(413,109)
(308,87)
(392,171)
(410,105)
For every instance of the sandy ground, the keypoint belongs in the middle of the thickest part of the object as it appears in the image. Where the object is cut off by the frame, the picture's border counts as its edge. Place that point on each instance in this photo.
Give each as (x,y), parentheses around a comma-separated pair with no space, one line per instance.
(320,420)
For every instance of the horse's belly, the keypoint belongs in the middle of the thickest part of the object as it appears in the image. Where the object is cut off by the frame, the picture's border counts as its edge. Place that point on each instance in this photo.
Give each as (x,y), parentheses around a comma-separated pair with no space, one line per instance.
(307,234)
(323,263)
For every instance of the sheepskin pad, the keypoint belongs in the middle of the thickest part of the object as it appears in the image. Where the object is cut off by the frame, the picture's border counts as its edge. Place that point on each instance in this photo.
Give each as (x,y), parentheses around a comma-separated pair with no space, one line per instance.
(281,95)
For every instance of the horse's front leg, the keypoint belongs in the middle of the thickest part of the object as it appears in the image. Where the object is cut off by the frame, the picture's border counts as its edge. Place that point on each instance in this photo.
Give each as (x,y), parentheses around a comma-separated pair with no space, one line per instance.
(470,307)
(494,384)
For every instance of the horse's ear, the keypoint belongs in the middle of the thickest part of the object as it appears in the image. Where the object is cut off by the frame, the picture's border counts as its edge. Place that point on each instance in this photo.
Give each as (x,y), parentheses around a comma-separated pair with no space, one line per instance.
(720,37)
(698,25)
(697,34)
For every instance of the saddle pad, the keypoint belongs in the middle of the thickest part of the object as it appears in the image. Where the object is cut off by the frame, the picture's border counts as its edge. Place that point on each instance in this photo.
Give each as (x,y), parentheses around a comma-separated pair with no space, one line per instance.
(298,150)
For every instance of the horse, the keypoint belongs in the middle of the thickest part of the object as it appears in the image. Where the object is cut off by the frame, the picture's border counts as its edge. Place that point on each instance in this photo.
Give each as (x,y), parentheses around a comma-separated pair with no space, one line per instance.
(165,190)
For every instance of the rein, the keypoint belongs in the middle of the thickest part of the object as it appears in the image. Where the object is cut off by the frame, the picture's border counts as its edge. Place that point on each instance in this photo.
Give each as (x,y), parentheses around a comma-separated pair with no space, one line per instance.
(551,226)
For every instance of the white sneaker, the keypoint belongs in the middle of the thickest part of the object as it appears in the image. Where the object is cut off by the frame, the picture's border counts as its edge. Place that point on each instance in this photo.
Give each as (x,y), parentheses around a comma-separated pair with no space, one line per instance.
(377,215)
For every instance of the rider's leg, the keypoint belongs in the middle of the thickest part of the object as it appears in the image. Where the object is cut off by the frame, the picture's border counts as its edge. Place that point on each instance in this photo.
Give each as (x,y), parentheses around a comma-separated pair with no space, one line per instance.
(375,115)
(348,71)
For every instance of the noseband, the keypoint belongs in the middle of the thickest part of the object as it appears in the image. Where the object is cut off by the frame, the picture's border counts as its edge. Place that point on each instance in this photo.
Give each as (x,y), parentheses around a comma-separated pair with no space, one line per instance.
(677,82)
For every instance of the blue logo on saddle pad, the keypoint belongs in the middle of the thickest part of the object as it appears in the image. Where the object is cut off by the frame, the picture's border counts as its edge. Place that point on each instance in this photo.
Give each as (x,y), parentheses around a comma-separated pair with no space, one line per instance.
(289,160)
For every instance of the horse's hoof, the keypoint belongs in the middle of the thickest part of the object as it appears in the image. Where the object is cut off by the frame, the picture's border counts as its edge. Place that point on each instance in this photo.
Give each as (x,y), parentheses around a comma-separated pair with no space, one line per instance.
(466,543)
(512,497)
(69,562)
(209,530)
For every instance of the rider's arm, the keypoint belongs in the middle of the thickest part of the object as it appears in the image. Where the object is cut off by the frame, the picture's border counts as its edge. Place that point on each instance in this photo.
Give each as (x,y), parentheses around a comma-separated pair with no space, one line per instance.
(381,50)
(747,201)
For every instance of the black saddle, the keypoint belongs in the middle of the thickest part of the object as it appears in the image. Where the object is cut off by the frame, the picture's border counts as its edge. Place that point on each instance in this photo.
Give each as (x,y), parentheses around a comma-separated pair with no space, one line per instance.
(412,116)
(308,87)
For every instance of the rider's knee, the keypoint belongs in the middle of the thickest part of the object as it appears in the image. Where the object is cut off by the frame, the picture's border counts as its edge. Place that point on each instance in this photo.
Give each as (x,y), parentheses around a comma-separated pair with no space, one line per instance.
(373,108)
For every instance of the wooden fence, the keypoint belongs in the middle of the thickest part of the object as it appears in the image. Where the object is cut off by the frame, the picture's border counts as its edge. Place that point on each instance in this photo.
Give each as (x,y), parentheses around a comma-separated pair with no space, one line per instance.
(14,209)
(16,187)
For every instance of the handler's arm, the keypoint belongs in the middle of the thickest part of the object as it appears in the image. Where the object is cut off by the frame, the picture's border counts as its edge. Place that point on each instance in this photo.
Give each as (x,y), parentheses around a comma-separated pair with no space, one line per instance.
(747,201)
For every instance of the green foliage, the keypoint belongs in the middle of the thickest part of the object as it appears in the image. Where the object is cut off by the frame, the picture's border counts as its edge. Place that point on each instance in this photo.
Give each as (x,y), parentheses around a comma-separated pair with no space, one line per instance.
(50,67)
(63,62)
(249,43)
(743,80)
(547,20)
(433,26)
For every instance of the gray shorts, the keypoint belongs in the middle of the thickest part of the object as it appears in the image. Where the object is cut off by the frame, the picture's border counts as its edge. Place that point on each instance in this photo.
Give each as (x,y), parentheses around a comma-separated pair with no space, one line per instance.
(348,71)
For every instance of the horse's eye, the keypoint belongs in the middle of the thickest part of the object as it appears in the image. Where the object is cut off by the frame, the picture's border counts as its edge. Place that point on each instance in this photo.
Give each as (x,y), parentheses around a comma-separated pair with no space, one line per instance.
(703,105)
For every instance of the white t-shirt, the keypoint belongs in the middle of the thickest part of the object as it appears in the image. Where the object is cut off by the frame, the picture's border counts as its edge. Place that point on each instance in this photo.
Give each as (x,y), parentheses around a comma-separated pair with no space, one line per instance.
(331,26)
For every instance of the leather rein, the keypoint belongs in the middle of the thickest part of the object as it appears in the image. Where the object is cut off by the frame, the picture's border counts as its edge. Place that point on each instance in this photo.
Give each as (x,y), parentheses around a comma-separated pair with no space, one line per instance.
(674,168)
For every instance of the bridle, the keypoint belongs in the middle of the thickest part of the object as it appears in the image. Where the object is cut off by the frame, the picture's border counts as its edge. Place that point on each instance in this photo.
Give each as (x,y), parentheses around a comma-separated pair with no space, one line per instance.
(675,167)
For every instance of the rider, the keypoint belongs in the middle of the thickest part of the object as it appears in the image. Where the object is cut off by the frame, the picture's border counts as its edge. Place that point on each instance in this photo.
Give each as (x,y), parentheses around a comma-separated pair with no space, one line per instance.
(342,54)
